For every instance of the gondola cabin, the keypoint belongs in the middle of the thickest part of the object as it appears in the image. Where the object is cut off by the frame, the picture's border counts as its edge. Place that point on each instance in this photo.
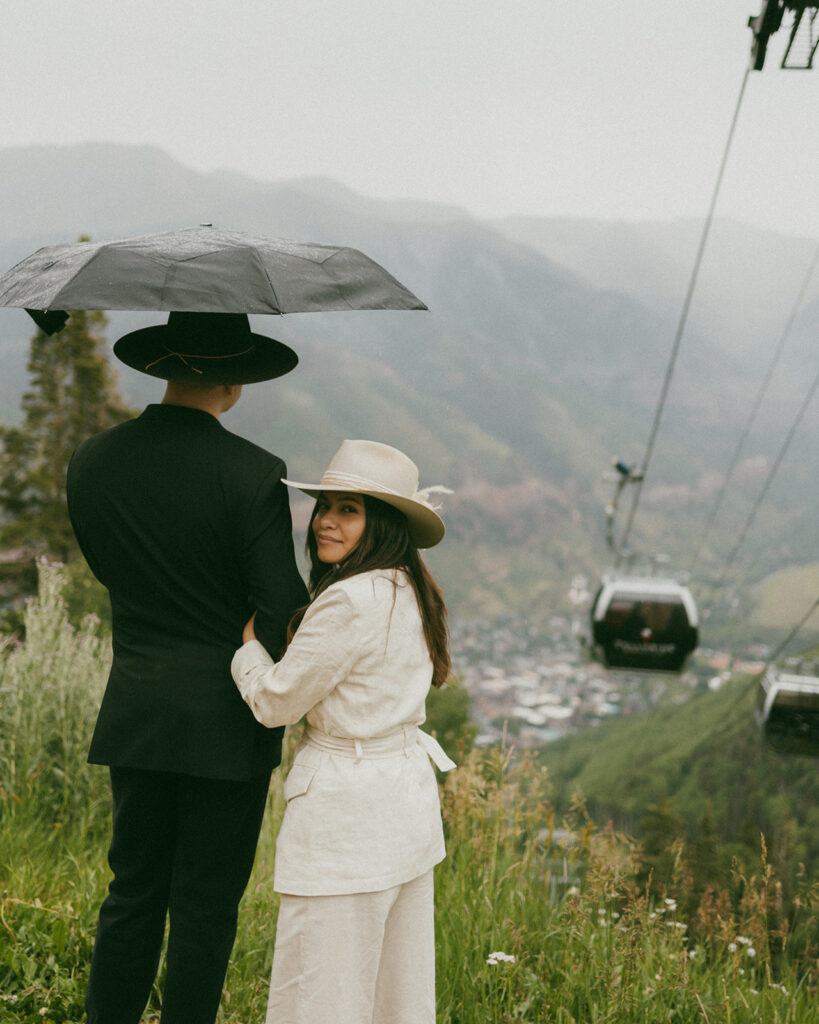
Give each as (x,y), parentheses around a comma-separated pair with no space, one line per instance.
(643,624)
(787,710)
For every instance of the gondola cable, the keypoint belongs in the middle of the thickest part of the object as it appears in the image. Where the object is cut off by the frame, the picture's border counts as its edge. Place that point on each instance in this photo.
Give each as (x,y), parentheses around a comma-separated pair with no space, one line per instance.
(715,508)
(769,480)
(652,625)
(683,317)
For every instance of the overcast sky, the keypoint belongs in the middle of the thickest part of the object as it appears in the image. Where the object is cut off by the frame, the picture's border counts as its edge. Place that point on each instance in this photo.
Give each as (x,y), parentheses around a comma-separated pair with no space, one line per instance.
(615,109)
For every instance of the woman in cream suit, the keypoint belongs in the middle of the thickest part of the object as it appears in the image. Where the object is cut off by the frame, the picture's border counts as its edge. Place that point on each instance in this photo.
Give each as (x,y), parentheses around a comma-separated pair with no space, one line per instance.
(362,828)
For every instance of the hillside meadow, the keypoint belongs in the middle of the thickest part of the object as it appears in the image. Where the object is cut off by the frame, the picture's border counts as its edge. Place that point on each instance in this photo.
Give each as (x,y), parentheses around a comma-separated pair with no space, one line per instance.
(784,597)
(539,918)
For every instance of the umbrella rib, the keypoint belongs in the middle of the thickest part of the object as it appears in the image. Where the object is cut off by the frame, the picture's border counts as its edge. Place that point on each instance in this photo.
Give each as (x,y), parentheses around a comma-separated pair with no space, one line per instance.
(60,303)
(260,261)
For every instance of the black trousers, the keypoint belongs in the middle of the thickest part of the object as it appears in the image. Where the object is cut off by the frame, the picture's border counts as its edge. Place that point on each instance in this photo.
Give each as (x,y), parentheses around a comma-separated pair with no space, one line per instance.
(182,846)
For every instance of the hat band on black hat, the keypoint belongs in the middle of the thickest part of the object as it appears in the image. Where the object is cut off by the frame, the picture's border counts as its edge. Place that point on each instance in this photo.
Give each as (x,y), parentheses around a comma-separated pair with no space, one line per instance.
(185,356)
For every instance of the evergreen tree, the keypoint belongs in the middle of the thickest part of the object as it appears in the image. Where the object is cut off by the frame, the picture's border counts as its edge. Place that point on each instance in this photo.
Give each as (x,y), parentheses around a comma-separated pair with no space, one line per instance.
(72,395)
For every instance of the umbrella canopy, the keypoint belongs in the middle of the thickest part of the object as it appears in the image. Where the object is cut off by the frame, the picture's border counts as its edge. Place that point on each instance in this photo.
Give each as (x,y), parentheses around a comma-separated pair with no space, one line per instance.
(202,269)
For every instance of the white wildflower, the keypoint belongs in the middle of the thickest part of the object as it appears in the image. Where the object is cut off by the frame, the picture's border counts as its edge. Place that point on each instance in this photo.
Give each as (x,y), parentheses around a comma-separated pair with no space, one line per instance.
(732,947)
(751,952)
(691,954)
(671,904)
(496,958)
(743,940)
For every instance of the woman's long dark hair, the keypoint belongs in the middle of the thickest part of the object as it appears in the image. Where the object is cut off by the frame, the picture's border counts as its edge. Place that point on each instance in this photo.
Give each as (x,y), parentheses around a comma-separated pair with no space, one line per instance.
(386,544)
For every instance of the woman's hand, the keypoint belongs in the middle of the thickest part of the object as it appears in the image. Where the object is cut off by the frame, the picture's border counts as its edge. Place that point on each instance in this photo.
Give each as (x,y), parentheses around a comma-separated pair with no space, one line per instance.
(249,633)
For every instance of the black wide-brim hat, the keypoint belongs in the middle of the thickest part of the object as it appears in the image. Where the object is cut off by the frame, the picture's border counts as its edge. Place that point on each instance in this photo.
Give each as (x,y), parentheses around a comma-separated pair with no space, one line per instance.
(205,348)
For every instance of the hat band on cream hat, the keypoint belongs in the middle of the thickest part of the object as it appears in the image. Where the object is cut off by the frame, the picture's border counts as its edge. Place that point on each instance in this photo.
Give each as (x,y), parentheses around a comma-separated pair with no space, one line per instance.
(383,472)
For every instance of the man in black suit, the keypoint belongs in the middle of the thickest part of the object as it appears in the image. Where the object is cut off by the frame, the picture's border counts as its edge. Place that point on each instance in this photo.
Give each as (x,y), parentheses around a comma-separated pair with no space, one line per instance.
(189,528)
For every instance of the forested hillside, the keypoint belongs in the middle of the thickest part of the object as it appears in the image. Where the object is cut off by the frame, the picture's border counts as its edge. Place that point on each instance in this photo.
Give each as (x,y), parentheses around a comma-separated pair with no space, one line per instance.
(698,772)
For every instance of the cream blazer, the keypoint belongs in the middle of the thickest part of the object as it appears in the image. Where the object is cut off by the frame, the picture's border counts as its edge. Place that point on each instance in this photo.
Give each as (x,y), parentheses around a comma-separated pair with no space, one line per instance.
(362,809)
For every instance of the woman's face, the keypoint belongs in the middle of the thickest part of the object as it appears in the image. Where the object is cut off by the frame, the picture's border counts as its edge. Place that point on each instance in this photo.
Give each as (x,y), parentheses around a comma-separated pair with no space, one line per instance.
(338,524)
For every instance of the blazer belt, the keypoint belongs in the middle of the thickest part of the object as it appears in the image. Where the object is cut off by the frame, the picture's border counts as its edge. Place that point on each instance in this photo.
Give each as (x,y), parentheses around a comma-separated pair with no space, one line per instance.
(403,740)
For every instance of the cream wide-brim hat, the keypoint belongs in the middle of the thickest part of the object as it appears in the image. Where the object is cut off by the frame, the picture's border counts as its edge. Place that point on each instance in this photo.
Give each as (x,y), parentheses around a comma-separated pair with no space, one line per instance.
(383,472)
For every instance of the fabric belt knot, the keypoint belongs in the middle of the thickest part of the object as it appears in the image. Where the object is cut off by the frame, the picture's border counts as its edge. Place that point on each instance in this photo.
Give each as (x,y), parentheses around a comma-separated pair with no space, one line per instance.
(403,740)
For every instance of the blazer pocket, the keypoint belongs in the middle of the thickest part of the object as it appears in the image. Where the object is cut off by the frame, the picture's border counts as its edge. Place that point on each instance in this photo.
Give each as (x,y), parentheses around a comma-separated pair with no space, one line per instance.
(298,780)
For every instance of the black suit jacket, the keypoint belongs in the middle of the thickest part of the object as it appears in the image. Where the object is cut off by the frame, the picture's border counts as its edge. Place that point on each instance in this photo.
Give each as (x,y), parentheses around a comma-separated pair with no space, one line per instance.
(189,528)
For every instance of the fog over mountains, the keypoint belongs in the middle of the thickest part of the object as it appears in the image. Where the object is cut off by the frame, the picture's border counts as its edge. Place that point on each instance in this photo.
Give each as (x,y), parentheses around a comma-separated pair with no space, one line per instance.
(542,356)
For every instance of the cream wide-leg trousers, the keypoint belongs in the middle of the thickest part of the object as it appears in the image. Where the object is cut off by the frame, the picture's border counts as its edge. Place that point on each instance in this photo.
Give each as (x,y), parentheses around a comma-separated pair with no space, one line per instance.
(364,958)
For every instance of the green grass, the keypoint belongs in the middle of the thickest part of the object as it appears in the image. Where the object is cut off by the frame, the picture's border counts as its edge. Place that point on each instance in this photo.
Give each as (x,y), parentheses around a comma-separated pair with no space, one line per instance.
(581,940)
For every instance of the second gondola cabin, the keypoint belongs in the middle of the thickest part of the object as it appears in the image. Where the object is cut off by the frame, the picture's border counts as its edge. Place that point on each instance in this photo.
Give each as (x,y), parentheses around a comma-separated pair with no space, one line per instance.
(645,624)
(787,709)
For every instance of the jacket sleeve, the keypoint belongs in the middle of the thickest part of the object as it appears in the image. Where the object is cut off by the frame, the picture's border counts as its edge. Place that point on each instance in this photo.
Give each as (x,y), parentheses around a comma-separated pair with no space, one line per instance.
(275,587)
(319,657)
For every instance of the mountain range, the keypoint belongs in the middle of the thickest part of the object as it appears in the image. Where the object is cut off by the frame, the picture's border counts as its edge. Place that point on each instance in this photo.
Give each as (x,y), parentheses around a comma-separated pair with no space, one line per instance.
(542,356)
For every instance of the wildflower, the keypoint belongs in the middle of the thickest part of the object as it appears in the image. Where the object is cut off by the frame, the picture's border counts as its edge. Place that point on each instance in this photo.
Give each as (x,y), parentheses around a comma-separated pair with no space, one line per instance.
(601,913)
(691,954)
(732,947)
(671,904)
(496,958)
(743,940)
(574,891)
(781,988)
(615,915)
(751,952)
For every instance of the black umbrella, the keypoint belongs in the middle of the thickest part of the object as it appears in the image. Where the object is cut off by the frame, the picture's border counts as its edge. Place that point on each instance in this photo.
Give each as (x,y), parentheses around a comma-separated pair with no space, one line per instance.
(201,269)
